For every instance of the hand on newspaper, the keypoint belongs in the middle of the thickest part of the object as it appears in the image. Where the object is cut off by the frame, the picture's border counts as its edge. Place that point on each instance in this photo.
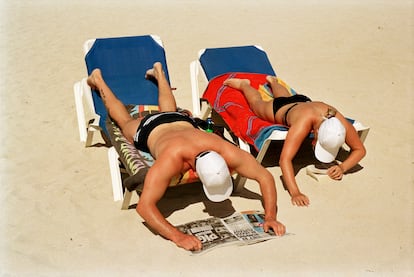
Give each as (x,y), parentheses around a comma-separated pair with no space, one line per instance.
(188,242)
(277,227)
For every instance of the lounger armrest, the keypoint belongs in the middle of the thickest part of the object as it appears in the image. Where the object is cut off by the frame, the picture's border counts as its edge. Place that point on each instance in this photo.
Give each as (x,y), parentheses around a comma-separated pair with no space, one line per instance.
(277,135)
(197,77)
(362,130)
(88,120)
(195,92)
(244,145)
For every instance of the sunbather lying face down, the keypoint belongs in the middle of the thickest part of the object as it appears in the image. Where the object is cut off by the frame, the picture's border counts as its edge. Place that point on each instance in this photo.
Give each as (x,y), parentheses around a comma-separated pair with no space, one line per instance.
(178,146)
(303,116)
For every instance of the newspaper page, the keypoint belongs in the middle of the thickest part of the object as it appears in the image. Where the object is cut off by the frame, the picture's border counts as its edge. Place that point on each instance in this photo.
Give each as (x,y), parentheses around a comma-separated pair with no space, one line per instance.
(239,228)
(248,226)
(211,232)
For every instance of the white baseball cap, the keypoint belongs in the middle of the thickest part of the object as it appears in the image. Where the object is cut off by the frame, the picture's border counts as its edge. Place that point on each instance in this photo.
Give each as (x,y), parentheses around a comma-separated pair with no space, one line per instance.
(331,137)
(213,172)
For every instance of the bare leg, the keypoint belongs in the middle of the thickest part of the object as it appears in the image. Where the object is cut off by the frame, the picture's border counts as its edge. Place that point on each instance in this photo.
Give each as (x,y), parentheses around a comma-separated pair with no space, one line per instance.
(261,108)
(277,89)
(116,109)
(166,99)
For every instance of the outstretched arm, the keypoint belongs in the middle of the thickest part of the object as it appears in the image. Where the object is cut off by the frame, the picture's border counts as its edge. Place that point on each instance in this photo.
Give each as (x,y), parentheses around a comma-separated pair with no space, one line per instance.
(294,139)
(154,188)
(243,163)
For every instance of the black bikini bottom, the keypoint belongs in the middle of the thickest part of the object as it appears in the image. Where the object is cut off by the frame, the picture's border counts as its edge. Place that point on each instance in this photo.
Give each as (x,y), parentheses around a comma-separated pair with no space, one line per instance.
(279,102)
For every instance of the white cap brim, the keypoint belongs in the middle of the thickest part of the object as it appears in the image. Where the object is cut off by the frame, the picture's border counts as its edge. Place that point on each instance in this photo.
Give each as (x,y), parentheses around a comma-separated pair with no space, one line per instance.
(218,194)
(213,172)
(325,155)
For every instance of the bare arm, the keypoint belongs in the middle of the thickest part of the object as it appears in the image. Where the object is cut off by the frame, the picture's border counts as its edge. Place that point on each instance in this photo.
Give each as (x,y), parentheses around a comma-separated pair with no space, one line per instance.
(154,188)
(294,139)
(358,150)
(243,163)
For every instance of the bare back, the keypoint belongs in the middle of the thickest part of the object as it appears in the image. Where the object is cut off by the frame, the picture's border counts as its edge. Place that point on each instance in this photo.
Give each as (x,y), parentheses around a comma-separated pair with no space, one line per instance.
(311,112)
(181,142)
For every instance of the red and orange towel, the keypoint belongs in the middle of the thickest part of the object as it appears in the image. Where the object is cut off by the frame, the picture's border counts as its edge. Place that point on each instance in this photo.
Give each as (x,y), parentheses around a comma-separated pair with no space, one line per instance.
(235,111)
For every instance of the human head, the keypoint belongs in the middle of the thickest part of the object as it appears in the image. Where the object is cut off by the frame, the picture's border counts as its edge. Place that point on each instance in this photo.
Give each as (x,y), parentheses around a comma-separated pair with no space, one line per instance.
(213,172)
(331,136)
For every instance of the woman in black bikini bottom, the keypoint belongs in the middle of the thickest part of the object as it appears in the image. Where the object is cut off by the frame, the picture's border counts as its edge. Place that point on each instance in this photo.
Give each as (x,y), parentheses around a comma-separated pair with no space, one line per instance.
(330,128)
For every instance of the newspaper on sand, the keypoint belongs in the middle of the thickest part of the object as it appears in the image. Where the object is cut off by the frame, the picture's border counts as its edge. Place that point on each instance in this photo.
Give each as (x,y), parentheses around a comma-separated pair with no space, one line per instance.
(239,228)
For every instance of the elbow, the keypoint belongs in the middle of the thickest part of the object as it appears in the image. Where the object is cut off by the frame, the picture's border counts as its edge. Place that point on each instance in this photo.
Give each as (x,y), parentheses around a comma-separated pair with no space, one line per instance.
(364,152)
(140,209)
(284,161)
(357,155)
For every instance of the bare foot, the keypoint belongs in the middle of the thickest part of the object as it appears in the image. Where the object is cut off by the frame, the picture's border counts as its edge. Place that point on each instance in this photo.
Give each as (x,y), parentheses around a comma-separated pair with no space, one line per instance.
(156,72)
(277,89)
(237,83)
(92,79)
(271,79)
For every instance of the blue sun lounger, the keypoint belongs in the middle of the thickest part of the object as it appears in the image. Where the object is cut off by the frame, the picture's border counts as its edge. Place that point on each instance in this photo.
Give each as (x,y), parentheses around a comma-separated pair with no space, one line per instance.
(123,62)
(211,65)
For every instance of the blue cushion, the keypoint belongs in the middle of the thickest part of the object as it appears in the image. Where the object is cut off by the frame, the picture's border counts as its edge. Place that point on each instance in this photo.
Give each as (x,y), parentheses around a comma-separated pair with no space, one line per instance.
(248,59)
(124,62)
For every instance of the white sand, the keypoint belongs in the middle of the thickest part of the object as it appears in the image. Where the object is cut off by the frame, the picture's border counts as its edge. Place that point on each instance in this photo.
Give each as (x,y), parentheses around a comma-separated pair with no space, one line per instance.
(57,214)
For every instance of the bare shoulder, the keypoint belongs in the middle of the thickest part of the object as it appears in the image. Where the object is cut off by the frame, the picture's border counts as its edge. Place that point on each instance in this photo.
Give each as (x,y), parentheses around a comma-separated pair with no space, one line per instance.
(344,121)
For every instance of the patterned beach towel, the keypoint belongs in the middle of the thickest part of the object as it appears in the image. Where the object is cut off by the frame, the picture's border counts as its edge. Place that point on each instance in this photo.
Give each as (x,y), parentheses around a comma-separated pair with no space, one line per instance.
(234,109)
(136,162)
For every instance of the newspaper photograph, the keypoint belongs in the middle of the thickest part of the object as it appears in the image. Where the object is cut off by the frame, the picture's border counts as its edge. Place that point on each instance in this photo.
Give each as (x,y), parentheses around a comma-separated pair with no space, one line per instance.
(240,228)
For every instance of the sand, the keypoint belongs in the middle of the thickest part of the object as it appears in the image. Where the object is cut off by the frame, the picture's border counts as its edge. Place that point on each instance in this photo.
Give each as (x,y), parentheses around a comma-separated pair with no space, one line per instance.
(57,212)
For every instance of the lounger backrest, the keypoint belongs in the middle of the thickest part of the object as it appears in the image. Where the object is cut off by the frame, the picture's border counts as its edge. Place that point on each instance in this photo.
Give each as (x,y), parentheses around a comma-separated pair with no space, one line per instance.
(248,59)
(123,62)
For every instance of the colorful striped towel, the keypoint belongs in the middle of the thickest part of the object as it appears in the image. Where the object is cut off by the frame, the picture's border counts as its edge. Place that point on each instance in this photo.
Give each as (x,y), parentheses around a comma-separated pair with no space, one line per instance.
(136,162)
(235,111)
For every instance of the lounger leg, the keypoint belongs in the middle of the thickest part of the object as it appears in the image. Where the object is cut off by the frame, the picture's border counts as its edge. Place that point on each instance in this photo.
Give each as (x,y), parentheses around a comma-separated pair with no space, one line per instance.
(263,150)
(89,138)
(239,183)
(115,174)
(127,200)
